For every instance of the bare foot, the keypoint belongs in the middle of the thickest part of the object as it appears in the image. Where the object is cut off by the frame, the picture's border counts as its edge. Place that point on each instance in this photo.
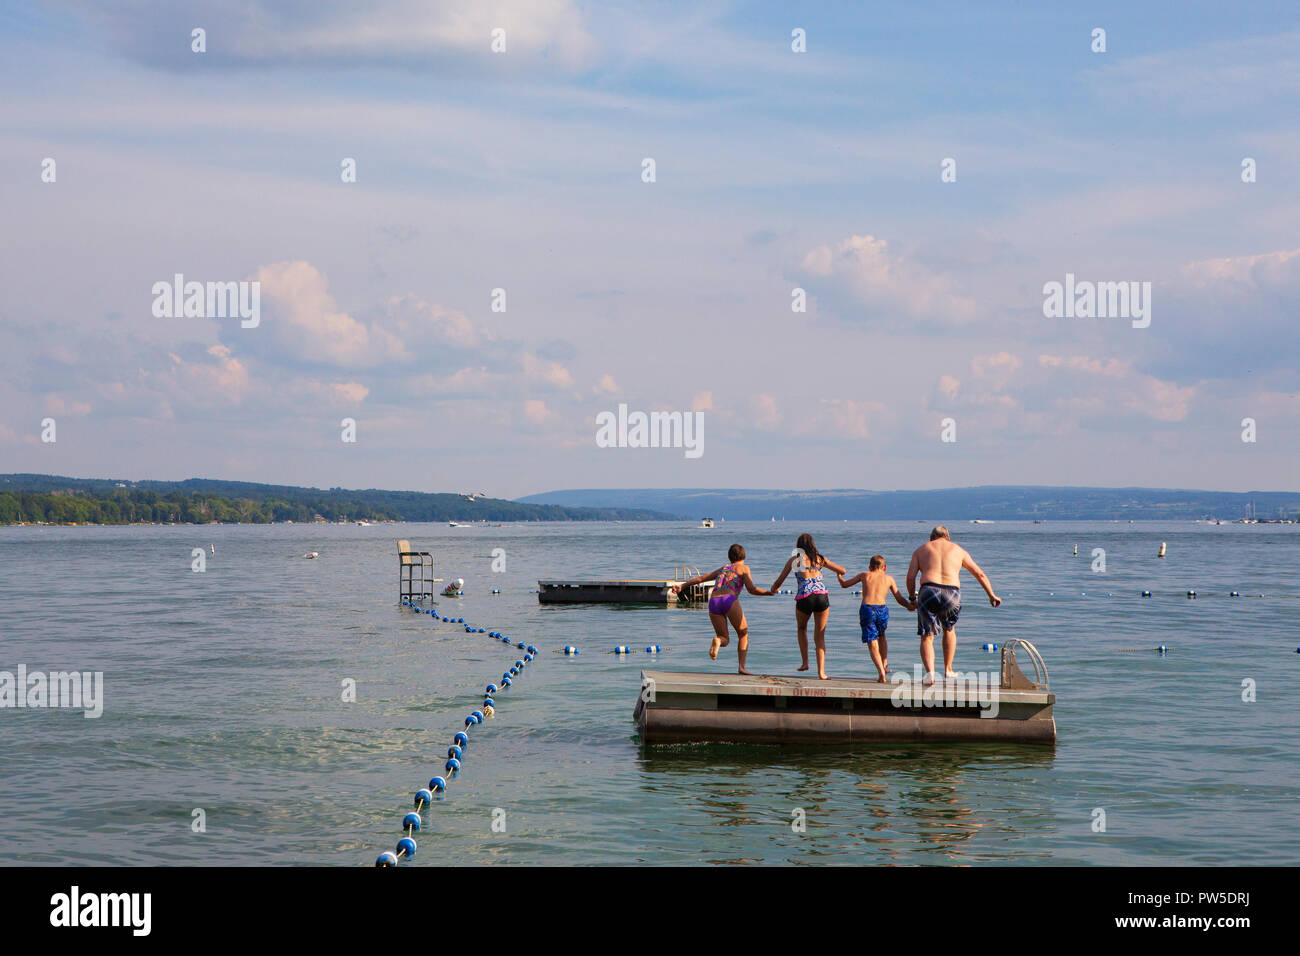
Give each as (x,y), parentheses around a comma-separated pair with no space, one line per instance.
(802,667)
(928,680)
(949,675)
(883,679)
(713,649)
(741,670)
(823,677)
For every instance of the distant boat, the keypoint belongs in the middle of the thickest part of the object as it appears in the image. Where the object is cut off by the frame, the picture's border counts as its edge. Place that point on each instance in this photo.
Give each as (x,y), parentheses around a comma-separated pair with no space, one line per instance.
(979,521)
(312,554)
(363,524)
(1161,553)
(706,523)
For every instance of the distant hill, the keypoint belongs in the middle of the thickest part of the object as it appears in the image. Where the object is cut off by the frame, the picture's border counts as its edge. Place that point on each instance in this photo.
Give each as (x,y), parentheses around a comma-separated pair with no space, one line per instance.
(58,500)
(990,502)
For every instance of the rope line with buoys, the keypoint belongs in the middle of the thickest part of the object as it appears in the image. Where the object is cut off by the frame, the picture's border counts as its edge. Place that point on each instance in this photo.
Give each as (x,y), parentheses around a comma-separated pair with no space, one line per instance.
(413,821)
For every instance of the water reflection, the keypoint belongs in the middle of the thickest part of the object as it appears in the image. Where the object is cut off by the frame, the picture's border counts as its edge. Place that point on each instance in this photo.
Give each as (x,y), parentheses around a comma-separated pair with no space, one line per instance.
(895,804)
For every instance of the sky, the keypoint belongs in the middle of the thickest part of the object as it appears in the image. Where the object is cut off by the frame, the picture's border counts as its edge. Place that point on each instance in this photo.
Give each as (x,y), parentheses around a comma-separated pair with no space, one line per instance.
(775,170)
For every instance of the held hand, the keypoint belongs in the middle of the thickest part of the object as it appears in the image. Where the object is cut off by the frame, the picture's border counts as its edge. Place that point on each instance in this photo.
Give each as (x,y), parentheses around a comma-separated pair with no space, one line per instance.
(995,600)
(911,605)
(677,589)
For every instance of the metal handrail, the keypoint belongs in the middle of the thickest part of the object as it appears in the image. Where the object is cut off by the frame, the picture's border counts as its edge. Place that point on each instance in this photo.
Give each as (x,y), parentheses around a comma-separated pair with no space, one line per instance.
(1035,658)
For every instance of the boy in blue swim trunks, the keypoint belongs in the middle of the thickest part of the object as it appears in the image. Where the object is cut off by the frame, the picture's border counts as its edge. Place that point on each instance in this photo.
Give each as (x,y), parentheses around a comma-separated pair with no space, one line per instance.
(873,615)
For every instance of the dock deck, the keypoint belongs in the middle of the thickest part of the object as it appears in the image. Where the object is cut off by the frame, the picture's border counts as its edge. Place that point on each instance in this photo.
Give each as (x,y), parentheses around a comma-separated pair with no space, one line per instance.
(690,707)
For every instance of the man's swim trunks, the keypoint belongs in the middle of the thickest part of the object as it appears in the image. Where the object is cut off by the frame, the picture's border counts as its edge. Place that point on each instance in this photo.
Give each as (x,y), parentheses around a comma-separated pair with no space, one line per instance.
(874,618)
(937,607)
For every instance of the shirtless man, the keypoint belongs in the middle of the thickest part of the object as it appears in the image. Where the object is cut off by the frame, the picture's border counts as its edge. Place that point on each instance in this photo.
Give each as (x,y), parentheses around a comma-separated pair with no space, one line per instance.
(939,563)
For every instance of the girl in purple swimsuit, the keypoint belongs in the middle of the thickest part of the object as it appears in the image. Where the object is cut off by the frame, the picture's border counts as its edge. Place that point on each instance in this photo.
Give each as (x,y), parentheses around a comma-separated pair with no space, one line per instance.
(811,598)
(724,604)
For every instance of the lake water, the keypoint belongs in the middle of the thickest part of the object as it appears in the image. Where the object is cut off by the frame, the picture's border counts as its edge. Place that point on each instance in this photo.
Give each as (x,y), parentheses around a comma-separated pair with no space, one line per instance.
(223,692)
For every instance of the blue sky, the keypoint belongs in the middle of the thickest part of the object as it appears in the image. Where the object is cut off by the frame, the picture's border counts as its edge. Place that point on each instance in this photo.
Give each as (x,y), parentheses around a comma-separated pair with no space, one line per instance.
(775,170)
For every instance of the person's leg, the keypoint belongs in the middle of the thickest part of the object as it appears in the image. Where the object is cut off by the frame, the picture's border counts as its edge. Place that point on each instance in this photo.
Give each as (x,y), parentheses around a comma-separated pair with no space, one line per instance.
(874,647)
(719,622)
(949,651)
(819,638)
(737,618)
(884,654)
(801,621)
(927,656)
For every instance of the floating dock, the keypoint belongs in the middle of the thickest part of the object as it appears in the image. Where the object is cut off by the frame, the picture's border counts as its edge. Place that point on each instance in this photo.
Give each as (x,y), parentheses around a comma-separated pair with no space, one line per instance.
(686,707)
(625,592)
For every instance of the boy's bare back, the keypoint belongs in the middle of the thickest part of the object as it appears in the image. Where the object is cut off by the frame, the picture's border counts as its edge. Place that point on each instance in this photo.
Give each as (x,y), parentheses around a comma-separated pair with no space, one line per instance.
(877,586)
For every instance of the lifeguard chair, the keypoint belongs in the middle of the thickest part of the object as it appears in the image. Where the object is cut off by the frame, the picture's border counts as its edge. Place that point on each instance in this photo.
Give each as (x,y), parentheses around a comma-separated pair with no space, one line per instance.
(415,578)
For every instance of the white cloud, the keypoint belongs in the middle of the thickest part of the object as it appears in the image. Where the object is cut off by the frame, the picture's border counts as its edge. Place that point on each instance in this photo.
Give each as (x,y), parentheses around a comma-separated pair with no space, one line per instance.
(882,283)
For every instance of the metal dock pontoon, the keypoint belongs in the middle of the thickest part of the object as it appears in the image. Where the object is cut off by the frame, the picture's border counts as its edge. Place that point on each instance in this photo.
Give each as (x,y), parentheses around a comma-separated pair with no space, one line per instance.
(686,707)
(625,592)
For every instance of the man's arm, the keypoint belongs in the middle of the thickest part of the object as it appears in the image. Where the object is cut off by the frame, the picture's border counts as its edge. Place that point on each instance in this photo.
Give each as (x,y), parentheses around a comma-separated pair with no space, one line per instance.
(969,564)
(912,570)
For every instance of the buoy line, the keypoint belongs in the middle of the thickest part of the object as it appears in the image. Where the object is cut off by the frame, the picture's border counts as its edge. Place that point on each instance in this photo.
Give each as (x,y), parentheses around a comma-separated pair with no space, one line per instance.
(413,822)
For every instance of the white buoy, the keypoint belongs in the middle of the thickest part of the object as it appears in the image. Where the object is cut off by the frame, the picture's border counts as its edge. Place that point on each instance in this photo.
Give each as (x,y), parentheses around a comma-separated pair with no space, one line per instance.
(1161,553)
(1076,550)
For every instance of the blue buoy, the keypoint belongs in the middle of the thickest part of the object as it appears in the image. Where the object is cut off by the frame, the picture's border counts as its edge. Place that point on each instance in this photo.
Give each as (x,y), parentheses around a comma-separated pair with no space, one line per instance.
(514,671)
(454,751)
(437,784)
(478,716)
(622,649)
(570,650)
(1191,594)
(491,689)
(406,847)
(505,682)
(519,664)
(489,702)
(990,647)
(1162,648)
(423,797)
(520,645)
(652,649)
(531,649)
(452,766)
(411,822)
(1233,594)
(1146,593)
(528,658)
(460,740)
(386,859)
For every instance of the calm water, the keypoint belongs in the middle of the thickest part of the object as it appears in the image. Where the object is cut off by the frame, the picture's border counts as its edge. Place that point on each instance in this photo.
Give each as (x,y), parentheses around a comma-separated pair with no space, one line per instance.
(223,692)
